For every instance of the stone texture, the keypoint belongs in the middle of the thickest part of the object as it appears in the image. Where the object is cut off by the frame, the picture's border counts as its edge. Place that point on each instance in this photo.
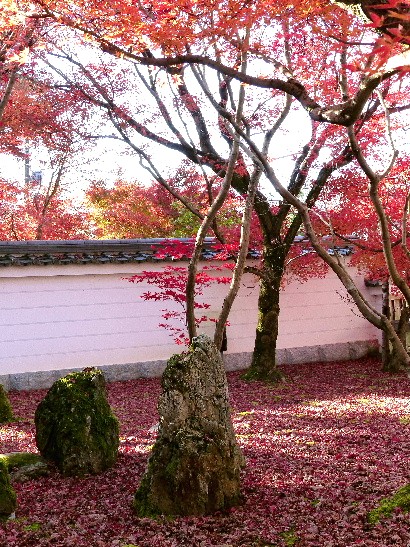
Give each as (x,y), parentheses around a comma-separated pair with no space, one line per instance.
(5,381)
(194,468)
(24,466)
(232,361)
(75,426)
(6,412)
(237,361)
(8,498)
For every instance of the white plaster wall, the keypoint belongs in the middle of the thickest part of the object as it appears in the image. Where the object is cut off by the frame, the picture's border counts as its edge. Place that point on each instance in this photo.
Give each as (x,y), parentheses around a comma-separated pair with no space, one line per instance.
(320,312)
(60,317)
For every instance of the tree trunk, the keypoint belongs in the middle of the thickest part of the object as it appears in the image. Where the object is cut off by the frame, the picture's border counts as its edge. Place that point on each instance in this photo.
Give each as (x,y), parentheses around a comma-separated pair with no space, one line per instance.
(394,361)
(264,365)
(386,353)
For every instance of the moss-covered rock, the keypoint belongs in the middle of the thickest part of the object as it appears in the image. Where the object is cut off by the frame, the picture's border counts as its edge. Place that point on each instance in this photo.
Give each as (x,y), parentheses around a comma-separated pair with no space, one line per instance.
(23,466)
(8,498)
(6,412)
(385,509)
(195,464)
(75,426)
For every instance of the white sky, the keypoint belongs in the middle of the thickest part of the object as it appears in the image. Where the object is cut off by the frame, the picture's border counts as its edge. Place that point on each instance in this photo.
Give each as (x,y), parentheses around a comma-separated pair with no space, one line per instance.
(110,160)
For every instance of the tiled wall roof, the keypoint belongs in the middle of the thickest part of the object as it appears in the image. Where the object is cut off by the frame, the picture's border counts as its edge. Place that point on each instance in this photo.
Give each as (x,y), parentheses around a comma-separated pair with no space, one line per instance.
(108,251)
(44,253)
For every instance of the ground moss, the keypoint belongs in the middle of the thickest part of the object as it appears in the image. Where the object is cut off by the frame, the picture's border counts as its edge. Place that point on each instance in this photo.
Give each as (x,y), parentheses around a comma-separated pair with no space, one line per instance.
(256,374)
(289,537)
(385,509)
(20,459)
(6,412)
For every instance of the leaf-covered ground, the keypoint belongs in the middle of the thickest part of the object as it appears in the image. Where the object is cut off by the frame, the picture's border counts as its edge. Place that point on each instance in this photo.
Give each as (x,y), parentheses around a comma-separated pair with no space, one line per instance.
(322,449)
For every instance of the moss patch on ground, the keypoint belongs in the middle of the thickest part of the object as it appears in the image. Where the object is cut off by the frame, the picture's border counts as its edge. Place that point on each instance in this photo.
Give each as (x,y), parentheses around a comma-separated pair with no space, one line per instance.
(385,509)
(20,459)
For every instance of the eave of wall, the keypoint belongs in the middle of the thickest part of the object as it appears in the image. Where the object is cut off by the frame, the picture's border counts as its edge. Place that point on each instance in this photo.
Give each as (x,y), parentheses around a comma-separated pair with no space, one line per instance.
(112,251)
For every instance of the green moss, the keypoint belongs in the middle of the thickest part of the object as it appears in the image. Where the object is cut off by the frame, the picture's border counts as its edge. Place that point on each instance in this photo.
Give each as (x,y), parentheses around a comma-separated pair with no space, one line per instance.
(175,374)
(289,537)
(34,527)
(141,503)
(385,509)
(75,426)
(20,459)
(255,374)
(8,499)
(6,412)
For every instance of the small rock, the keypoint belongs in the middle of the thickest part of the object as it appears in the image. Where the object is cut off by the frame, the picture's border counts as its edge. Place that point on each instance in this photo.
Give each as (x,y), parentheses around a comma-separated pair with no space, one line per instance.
(23,466)
(75,426)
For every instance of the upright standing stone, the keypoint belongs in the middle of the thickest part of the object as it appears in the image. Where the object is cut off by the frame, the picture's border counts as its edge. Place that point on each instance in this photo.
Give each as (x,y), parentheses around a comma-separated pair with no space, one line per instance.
(194,468)
(75,426)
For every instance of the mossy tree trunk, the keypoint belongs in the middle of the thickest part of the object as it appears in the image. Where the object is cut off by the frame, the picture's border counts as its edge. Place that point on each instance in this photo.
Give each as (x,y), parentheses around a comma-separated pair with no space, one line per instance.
(392,358)
(279,228)
(264,363)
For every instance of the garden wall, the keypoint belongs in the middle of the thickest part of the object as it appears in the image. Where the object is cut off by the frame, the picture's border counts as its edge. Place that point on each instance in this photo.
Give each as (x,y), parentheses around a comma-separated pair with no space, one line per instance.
(55,318)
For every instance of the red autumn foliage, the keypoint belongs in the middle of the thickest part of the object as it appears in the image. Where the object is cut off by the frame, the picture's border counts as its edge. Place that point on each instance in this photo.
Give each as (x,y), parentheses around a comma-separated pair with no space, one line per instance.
(349,194)
(322,450)
(129,209)
(170,286)
(34,211)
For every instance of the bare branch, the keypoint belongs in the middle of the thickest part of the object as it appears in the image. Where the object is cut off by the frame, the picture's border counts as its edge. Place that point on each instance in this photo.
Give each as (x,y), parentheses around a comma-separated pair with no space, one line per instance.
(406,212)
(7,92)
(374,181)
(193,264)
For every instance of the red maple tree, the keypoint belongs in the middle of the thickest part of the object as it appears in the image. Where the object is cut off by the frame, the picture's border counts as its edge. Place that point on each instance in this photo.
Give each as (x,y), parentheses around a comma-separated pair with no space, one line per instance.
(29,212)
(199,58)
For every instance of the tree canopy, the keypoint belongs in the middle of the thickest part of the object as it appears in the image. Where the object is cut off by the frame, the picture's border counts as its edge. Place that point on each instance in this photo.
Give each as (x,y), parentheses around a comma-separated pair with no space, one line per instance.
(201,78)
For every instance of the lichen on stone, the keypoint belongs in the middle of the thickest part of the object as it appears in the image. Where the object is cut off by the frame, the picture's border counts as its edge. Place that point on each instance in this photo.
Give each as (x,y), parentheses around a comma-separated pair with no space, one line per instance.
(195,464)
(75,426)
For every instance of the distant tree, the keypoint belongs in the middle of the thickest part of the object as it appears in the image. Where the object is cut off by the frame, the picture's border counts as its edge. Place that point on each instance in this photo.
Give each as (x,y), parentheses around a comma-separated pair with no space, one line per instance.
(40,209)
(126,210)
(131,210)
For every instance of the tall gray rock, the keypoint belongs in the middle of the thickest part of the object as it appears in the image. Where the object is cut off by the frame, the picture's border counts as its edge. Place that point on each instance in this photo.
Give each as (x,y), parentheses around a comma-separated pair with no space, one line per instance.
(194,468)
(75,426)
